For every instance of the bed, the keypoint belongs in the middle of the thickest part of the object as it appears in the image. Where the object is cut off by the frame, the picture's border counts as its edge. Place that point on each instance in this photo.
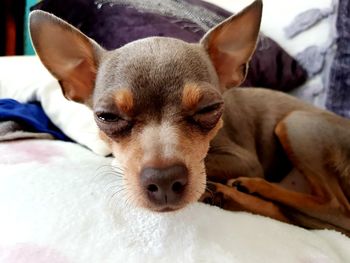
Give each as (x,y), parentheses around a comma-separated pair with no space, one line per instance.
(60,202)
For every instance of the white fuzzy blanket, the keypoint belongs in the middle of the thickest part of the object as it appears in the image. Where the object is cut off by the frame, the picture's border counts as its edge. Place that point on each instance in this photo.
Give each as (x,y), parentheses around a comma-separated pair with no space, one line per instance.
(57,206)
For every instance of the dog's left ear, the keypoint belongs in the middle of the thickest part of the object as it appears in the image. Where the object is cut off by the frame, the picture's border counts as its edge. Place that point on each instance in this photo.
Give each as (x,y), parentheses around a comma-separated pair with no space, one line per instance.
(70,56)
(231,44)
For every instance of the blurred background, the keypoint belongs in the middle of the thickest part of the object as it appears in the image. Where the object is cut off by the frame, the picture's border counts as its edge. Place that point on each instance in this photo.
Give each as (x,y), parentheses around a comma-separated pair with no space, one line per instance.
(14,37)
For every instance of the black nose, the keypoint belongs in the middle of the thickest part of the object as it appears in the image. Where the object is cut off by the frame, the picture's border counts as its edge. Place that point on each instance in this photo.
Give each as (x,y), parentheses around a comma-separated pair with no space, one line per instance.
(165,185)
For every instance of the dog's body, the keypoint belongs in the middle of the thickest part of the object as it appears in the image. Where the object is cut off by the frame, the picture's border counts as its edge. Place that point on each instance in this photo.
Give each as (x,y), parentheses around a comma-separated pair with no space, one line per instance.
(273,136)
(159,104)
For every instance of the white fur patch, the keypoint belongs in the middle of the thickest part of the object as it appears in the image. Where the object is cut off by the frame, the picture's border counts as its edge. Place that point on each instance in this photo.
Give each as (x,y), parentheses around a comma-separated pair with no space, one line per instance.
(160,140)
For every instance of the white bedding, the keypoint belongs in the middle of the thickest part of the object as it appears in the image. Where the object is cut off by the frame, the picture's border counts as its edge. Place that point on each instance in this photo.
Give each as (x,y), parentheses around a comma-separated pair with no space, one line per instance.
(57,206)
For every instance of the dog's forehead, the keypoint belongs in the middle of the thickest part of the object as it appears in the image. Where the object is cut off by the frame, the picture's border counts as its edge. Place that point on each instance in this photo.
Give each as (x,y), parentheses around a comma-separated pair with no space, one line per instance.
(155,71)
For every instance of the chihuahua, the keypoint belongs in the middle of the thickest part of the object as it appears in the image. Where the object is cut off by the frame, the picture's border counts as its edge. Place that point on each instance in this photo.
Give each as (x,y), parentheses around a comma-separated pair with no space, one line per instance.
(164,107)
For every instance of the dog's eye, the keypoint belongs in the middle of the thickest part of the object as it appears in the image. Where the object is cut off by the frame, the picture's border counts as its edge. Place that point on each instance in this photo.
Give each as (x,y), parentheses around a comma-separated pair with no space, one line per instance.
(208,116)
(107,116)
(112,124)
(209,108)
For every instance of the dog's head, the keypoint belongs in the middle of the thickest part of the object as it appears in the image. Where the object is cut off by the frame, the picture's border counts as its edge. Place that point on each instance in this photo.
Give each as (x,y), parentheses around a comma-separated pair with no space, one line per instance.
(157,101)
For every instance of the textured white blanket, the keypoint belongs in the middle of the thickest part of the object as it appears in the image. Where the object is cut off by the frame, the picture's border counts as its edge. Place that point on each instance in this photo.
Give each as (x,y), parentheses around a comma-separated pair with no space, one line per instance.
(57,206)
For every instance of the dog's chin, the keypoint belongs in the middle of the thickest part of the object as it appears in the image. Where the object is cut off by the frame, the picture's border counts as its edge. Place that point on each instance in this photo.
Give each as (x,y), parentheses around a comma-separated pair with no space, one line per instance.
(145,203)
(165,209)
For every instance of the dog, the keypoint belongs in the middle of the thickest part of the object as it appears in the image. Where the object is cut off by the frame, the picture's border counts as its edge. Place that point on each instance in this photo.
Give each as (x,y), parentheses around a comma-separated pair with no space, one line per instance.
(167,111)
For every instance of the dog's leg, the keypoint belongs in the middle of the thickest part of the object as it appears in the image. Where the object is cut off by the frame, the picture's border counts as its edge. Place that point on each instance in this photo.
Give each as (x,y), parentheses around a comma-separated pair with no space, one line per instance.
(306,221)
(232,199)
(232,161)
(310,139)
(275,192)
(227,160)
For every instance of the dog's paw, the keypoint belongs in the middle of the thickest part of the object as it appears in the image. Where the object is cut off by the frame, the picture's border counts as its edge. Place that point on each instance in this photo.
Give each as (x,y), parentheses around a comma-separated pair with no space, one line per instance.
(246,185)
(206,198)
(212,196)
(238,184)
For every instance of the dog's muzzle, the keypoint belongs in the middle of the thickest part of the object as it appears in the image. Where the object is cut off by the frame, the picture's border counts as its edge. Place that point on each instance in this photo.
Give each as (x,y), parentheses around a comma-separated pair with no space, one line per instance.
(164,186)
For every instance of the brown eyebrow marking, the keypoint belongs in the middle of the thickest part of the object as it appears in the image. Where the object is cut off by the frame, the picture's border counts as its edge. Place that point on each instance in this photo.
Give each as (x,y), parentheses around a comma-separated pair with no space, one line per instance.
(190,96)
(124,100)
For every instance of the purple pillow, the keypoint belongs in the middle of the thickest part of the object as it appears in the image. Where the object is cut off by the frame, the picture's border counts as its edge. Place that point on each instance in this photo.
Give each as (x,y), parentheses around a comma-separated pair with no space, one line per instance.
(114,23)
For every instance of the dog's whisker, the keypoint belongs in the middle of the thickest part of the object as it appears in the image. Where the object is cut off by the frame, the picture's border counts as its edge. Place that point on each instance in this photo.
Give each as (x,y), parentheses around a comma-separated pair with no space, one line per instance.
(114,175)
(127,199)
(113,186)
(99,173)
(116,194)
(111,177)
(110,167)
(115,167)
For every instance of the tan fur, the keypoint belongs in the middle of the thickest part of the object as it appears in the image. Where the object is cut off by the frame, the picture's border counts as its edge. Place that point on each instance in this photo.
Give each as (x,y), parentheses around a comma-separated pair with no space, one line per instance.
(124,101)
(132,156)
(129,155)
(190,96)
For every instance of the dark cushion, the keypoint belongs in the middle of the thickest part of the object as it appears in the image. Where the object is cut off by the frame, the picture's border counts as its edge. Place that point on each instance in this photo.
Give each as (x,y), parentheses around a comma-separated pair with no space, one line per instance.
(113,23)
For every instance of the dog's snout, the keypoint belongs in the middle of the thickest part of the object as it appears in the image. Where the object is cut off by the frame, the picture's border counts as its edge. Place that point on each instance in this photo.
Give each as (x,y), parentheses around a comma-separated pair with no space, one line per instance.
(166,185)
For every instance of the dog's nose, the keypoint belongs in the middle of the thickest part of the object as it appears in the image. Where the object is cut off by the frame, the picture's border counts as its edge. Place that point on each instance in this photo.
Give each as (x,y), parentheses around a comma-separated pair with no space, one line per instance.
(165,185)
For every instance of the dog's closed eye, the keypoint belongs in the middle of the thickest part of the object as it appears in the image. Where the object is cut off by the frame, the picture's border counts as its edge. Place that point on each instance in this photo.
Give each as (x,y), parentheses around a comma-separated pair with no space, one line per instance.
(107,116)
(203,105)
(209,108)
(112,124)
(207,116)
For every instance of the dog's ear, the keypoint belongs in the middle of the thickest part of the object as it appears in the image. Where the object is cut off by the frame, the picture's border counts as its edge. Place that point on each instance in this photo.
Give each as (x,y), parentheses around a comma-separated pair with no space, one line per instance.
(67,53)
(231,44)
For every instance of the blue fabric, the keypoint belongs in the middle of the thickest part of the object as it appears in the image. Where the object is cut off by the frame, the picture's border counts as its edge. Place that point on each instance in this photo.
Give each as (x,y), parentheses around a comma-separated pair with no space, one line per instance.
(31,116)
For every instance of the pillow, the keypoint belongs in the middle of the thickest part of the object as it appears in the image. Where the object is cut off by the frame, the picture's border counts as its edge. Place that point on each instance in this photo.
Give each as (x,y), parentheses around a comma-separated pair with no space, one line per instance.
(114,23)
(272,67)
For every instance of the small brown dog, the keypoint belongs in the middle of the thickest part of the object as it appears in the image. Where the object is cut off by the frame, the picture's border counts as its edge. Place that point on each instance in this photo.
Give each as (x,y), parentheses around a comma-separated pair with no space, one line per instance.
(159,104)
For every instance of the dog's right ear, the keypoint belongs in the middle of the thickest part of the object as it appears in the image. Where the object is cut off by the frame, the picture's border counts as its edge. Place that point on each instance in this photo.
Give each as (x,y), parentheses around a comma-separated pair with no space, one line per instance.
(231,44)
(70,56)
